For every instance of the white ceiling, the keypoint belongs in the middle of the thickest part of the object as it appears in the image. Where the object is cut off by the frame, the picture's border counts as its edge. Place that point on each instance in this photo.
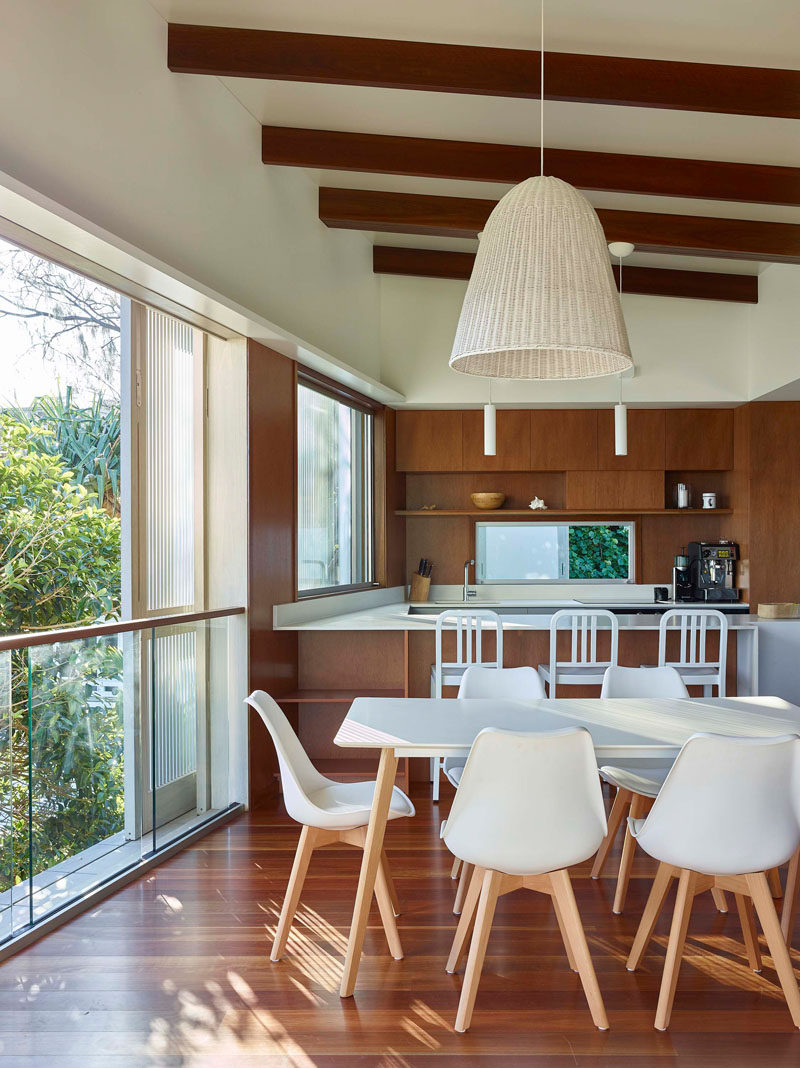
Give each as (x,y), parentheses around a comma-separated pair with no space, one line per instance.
(720,31)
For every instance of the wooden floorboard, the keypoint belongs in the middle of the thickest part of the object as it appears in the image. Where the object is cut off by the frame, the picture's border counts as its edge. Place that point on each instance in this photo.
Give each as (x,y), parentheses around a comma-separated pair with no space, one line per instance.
(175,970)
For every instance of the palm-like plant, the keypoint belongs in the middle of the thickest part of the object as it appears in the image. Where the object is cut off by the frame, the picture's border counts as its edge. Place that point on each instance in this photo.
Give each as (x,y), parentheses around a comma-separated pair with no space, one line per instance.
(86,438)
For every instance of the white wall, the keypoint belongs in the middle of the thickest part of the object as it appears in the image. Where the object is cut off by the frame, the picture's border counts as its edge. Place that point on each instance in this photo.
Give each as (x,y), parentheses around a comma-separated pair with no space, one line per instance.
(685,351)
(171,163)
(775,330)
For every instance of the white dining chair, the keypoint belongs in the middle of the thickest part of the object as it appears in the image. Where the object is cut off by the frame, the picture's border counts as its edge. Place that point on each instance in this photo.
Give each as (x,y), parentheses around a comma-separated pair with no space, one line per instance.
(520,683)
(329,812)
(728,812)
(508,777)
(694,664)
(471,627)
(637,782)
(583,668)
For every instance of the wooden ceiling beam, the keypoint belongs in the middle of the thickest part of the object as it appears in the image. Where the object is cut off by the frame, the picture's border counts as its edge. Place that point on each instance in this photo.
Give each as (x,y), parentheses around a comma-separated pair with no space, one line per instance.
(690,235)
(508,72)
(654,281)
(474,161)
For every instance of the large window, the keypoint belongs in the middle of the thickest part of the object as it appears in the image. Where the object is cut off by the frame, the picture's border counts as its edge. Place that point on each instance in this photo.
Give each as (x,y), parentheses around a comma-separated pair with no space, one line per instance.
(335,525)
(554,552)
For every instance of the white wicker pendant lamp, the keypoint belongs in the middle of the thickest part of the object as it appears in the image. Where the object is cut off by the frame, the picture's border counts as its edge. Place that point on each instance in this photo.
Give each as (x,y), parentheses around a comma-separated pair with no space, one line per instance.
(541,302)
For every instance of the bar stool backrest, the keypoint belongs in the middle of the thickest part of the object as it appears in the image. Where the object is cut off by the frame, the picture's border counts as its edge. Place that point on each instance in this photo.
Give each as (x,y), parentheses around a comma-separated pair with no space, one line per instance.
(694,625)
(469,625)
(584,626)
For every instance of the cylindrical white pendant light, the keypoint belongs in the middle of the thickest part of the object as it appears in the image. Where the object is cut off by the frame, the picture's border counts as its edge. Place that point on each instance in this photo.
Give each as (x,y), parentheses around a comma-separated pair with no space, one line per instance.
(541,302)
(620,249)
(489,430)
(489,426)
(620,430)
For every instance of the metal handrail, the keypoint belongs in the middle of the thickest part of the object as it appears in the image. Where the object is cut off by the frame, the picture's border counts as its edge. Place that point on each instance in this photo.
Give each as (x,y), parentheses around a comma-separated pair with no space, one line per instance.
(121,626)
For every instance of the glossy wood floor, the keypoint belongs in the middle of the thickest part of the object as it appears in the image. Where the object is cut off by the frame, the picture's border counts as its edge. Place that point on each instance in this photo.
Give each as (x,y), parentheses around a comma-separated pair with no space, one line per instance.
(174,970)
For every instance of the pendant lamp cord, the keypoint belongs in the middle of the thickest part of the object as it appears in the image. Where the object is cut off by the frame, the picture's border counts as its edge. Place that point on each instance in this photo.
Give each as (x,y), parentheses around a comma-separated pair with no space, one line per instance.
(541,90)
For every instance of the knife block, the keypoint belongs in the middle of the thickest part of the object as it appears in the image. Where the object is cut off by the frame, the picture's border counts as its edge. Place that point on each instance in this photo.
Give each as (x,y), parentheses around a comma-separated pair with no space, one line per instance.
(420,588)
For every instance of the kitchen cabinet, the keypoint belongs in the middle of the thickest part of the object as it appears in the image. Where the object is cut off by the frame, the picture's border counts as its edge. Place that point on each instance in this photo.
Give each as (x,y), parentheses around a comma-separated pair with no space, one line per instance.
(629,490)
(429,441)
(699,439)
(563,440)
(646,441)
(513,442)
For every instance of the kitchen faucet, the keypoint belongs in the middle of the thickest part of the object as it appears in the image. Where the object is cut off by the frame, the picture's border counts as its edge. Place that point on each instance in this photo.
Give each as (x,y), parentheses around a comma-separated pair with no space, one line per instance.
(468,593)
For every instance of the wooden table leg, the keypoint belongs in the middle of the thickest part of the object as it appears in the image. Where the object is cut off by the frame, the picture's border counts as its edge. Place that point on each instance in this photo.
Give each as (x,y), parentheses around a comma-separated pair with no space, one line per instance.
(373,846)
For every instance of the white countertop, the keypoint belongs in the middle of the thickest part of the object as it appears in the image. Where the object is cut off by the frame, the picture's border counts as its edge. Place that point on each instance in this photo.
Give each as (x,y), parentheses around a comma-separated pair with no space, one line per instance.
(395,616)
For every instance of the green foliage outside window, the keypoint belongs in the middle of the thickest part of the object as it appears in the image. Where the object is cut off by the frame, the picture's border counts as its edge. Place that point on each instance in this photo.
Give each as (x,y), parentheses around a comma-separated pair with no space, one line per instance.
(599,552)
(59,564)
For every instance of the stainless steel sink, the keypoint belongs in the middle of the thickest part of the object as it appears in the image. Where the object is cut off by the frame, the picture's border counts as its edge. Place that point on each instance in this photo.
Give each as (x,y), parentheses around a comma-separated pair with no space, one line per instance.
(502,610)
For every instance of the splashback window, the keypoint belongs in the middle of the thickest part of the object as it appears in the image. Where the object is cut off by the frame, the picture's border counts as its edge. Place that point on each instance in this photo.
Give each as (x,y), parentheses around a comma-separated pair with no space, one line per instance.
(534,551)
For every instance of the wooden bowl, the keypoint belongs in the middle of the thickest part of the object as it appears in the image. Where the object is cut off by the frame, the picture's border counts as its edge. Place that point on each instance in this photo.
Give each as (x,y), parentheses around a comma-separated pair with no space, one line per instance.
(488,501)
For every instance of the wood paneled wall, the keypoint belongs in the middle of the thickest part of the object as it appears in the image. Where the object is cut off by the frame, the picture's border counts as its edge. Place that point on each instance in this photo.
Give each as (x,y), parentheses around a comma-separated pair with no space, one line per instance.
(567,458)
(273,655)
(579,439)
(769,467)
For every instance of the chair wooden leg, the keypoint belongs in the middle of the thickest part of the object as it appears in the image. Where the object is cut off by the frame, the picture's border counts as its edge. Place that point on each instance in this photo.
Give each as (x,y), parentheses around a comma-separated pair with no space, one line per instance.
(564,935)
(565,898)
(616,815)
(747,919)
(455,869)
(770,925)
(677,938)
(461,939)
(384,899)
(305,847)
(390,883)
(719,899)
(790,896)
(638,806)
(463,886)
(652,910)
(490,887)
(774,880)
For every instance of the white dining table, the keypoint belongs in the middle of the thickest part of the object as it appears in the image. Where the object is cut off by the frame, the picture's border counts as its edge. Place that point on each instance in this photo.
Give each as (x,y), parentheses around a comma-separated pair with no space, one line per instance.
(426,727)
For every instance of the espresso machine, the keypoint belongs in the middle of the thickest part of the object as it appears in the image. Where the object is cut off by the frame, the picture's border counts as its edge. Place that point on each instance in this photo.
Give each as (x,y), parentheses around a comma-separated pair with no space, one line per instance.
(712,568)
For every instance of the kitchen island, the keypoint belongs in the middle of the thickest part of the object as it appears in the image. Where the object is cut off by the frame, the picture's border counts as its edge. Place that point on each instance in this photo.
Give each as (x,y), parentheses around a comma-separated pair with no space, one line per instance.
(394,650)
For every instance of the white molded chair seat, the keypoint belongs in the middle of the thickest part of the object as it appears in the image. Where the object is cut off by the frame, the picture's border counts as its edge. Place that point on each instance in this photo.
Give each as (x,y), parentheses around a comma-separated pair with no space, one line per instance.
(645,781)
(583,668)
(508,780)
(329,812)
(344,805)
(454,773)
(728,812)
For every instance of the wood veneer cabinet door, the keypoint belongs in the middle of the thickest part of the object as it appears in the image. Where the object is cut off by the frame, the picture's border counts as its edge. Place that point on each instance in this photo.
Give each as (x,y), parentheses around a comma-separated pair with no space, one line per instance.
(699,439)
(615,490)
(513,442)
(646,441)
(563,440)
(429,441)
